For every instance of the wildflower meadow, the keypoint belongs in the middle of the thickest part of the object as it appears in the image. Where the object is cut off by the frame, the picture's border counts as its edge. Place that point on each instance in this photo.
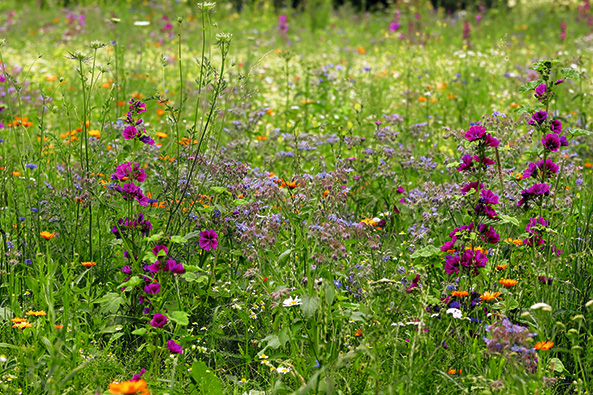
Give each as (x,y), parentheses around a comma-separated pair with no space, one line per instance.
(266,197)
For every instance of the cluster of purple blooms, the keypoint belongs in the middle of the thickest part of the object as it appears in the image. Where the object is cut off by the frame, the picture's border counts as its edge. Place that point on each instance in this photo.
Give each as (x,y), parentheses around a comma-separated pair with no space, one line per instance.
(128,172)
(135,128)
(125,226)
(164,263)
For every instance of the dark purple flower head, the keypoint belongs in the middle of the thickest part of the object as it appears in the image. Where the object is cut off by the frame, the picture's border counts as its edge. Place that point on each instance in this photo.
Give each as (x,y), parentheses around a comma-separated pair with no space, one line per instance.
(137,105)
(540,116)
(208,240)
(152,288)
(488,197)
(475,133)
(414,284)
(556,126)
(449,245)
(563,141)
(551,142)
(158,321)
(484,160)
(129,170)
(558,82)
(540,92)
(452,264)
(531,171)
(130,132)
(466,163)
(472,185)
(491,141)
(126,270)
(174,348)
(157,249)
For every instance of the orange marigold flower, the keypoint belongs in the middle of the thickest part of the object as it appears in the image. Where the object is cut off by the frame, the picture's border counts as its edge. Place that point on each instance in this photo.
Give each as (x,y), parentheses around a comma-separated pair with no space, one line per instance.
(59,326)
(18,320)
(160,111)
(16,173)
(490,296)
(507,282)
(36,313)
(46,235)
(368,221)
(129,388)
(501,267)
(518,242)
(88,264)
(546,345)
(454,371)
(460,294)
(588,164)
(358,333)
(422,99)
(22,325)
(161,135)
(289,184)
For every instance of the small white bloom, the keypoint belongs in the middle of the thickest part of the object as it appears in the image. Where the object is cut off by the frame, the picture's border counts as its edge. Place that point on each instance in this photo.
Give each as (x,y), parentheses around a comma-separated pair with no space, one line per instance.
(456,313)
(282,369)
(291,302)
(543,306)
(141,23)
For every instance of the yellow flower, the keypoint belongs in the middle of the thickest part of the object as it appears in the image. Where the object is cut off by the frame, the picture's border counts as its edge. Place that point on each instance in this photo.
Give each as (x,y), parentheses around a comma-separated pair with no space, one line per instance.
(489,296)
(129,388)
(88,264)
(546,345)
(507,282)
(46,235)
(460,294)
(36,313)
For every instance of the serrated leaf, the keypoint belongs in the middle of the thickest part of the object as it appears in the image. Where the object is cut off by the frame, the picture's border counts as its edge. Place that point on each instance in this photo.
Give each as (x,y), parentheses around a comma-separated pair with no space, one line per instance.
(153,238)
(426,252)
(238,202)
(178,239)
(530,85)
(507,219)
(110,303)
(218,189)
(557,365)
(568,72)
(139,331)
(309,305)
(179,317)
(579,132)
(132,282)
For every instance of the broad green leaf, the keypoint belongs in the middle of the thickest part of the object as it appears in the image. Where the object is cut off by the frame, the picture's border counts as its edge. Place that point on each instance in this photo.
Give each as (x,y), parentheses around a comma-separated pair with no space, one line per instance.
(569,73)
(139,332)
(557,365)
(218,189)
(206,381)
(579,132)
(238,202)
(272,341)
(110,303)
(309,305)
(284,256)
(507,219)
(179,317)
(178,239)
(426,252)
(132,282)
(530,85)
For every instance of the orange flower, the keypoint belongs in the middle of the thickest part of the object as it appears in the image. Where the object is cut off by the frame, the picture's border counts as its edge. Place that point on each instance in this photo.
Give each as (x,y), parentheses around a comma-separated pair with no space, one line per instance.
(94,133)
(490,296)
(22,325)
(361,50)
(88,264)
(546,345)
(46,235)
(289,184)
(501,267)
(59,326)
(16,173)
(422,99)
(454,371)
(161,135)
(507,282)
(460,294)
(588,164)
(358,333)
(18,320)
(129,388)
(515,105)
(36,313)
(368,221)
(261,138)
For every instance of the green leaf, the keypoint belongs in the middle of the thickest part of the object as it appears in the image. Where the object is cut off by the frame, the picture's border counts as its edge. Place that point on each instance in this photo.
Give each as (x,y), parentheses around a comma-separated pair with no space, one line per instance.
(507,219)
(132,282)
(5,314)
(426,252)
(218,189)
(110,303)
(272,341)
(238,202)
(153,238)
(579,132)
(191,235)
(309,305)
(557,365)
(178,239)
(569,73)
(206,381)
(139,331)
(530,85)
(179,317)
(330,294)
(284,256)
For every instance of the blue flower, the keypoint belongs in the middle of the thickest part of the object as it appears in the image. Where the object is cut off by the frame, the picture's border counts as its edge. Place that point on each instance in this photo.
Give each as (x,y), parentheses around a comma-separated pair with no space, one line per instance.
(31,166)
(28,262)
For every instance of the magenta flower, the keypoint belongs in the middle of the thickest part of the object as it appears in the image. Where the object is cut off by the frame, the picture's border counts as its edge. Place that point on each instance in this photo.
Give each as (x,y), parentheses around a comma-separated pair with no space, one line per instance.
(158,321)
(551,142)
(540,92)
(208,240)
(491,141)
(138,376)
(452,264)
(160,248)
(129,170)
(488,197)
(152,288)
(130,132)
(174,348)
(556,126)
(466,163)
(540,116)
(475,133)
(472,185)
(485,161)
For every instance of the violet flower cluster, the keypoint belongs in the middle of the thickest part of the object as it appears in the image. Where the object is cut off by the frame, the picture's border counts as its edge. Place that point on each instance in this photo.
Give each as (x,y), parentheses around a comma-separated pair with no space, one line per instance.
(135,128)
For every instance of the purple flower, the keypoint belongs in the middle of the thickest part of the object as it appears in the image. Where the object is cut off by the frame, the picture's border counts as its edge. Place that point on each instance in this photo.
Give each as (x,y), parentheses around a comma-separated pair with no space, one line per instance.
(484,160)
(208,240)
(491,141)
(414,284)
(540,116)
(475,133)
(472,185)
(466,163)
(563,141)
(174,347)
(531,171)
(129,170)
(551,142)
(175,268)
(126,270)
(160,248)
(452,264)
(488,197)
(152,288)
(130,132)
(540,92)
(449,245)
(158,321)
(138,376)
(556,126)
